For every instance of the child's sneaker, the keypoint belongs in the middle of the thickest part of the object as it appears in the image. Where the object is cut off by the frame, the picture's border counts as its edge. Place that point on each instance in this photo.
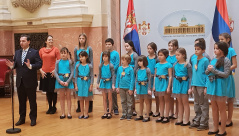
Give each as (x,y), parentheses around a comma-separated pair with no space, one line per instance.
(201,128)
(122,117)
(193,125)
(116,112)
(134,113)
(129,118)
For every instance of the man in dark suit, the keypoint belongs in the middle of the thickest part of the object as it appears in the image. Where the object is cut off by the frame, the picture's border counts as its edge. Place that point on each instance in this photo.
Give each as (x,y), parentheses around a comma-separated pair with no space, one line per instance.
(26,62)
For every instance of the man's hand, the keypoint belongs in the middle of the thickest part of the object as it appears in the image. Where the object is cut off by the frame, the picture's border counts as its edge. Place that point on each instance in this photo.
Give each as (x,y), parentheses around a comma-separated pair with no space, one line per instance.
(9,63)
(27,63)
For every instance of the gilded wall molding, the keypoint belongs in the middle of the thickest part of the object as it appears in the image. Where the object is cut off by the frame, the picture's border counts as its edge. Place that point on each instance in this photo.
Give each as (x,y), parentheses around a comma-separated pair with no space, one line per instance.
(30,5)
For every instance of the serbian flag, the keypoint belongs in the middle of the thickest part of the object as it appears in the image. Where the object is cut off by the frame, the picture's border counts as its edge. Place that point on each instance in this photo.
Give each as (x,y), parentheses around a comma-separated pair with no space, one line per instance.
(221,20)
(131,31)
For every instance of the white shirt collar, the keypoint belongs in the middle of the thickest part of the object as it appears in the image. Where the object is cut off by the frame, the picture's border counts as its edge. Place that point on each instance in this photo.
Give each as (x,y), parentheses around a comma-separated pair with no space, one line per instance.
(25,49)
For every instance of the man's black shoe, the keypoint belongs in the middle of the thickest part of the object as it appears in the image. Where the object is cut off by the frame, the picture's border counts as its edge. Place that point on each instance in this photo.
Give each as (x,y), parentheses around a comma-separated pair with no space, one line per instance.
(20,122)
(33,123)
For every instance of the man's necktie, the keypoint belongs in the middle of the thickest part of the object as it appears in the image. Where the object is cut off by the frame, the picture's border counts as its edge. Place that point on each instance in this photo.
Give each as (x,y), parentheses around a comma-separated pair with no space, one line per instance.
(23,56)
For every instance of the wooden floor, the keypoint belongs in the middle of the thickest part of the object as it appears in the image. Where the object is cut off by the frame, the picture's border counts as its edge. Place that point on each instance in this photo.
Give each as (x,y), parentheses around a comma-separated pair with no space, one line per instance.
(51,125)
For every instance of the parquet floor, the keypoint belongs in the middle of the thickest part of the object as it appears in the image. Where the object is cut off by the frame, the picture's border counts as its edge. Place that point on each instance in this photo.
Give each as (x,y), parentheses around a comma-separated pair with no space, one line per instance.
(51,125)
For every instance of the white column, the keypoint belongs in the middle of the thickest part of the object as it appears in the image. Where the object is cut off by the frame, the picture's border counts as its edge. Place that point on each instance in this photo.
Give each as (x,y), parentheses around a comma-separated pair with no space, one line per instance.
(67,7)
(4,13)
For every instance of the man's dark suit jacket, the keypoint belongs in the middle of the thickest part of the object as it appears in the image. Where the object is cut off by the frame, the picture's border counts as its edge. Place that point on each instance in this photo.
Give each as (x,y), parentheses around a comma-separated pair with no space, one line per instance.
(25,75)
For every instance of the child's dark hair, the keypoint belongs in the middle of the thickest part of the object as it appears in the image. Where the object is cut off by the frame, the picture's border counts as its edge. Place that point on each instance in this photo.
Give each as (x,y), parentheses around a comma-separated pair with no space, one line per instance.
(131,44)
(107,53)
(200,45)
(183,52)
(144,59)
(153,46)
(202,41)
(174,42)
(226,35)
(84,54)
(164,51)
(64,49)
(109,40)
(126,57)
(46,40)
(223,46)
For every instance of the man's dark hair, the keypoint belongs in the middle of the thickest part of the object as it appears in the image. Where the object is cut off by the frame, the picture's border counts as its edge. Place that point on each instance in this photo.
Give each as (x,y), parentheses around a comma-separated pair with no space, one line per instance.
(28,37)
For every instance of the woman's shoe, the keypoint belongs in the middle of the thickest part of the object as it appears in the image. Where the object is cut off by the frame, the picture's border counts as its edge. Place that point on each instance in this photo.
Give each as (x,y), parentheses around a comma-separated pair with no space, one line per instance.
(53,111)
(146,119)
(48,111)
(62,117)
(139,118)
(179,123)
(219,123)
(159,120)
(156,115)
(104,116)
(69,117)
(109,116)
(165,121)
(81,117)
(212,133)
(229,124)
(188,124)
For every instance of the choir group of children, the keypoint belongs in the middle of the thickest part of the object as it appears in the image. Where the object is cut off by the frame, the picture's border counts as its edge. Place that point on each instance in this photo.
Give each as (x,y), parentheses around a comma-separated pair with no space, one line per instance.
(165,73)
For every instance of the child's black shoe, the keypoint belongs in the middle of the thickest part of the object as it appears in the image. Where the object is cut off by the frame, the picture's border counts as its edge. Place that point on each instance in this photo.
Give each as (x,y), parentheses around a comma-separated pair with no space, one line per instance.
(139,118)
